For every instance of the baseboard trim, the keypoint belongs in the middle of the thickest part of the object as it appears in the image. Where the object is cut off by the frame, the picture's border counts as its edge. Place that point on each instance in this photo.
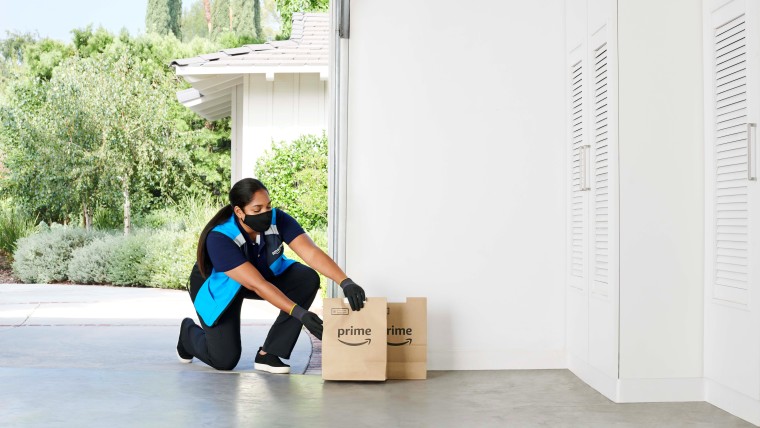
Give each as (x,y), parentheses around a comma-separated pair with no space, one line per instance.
(606,385)
(660,390)
(732,401)
(512,359)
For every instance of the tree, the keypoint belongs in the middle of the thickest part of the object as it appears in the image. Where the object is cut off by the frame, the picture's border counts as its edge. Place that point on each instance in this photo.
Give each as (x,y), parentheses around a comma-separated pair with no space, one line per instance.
(163,17)
(257,19)
(42,57)
(107,110)
(221,18)
(242,18)
(12,46)
(175,11)
(88,43)
(194,22)
(207,9)
(288,7)
(48,147)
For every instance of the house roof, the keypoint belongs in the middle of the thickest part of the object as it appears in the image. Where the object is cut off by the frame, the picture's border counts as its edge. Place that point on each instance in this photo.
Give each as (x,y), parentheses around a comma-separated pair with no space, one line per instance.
(214,76)
(308,46)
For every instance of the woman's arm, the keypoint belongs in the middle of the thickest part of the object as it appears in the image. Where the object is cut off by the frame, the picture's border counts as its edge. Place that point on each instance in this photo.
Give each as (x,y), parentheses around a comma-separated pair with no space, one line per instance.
(250,278)
(316,258)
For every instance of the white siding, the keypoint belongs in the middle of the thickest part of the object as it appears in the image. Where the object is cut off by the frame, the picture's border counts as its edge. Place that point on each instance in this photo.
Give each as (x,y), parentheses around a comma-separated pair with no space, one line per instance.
(279,110)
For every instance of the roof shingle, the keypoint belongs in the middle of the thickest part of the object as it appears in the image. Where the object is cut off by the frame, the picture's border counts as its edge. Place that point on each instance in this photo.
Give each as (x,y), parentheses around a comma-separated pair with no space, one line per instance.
(307,46)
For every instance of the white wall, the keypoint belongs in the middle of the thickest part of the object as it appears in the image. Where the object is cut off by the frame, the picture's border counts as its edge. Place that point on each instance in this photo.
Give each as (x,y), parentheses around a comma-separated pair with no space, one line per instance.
(455,173)
(272,111)
(661,188)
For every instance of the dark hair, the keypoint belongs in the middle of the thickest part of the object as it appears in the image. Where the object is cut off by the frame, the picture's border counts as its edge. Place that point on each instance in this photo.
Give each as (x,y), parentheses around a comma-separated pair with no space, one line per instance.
(241,195)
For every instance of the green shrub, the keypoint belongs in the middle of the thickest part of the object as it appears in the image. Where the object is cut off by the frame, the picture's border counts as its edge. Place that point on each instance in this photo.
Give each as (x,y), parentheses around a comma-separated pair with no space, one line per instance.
(190,213)
(44,257)
(91,263)
(169,258)
(167,218)
(105,218)
(127,265)
(14,225)
(149,257)
(296,175)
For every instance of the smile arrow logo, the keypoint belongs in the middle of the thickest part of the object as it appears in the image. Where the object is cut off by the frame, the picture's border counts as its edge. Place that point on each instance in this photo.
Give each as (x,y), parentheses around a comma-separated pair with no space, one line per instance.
(406,342)
(366,342)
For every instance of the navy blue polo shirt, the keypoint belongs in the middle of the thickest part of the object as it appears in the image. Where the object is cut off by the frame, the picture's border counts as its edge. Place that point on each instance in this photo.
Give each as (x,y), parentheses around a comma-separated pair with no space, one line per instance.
(226,255)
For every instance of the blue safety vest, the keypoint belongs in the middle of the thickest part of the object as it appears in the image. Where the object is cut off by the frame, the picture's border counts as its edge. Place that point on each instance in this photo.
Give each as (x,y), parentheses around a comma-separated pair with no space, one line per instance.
(219,290)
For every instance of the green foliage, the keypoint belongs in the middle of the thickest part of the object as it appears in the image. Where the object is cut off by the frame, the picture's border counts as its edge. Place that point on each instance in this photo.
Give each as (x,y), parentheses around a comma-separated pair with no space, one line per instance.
(190,214)
(257,19)
(288,7)
(42,57)
(105,122)
(242,17)
(15,224)
(126,266)
(13,45)
(169,258)
(44,257)
(163,17)
(91,263)
(88,43)
(157,256)
(193,23)
(296,175)
(220,18)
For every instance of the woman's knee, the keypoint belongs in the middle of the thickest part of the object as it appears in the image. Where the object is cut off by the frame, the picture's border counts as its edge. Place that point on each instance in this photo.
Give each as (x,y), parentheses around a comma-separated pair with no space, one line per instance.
(307,276)
(226,361)
(313,278)
(311,281)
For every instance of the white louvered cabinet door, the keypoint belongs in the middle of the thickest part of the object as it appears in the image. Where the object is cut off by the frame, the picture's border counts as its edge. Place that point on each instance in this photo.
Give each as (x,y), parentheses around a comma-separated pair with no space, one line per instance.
(579,173)
(732,294)
(603,206)
(578,180)
(601,137)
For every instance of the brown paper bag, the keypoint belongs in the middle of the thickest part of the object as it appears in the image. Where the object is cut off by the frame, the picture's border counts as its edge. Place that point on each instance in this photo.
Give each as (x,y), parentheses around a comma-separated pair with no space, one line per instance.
(354,342)
(407,339)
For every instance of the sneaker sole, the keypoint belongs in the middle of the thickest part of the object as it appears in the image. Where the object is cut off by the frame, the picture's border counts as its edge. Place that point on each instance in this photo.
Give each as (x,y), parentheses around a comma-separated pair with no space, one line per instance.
(270,369)
(184,360)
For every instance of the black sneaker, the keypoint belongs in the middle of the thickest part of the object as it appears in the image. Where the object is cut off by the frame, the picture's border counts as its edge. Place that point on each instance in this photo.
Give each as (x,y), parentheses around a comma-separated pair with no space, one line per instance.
(270,363)
(184,356)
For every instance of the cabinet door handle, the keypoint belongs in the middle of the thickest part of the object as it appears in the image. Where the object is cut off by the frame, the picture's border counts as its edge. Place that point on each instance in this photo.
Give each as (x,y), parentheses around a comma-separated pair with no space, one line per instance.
(751,136)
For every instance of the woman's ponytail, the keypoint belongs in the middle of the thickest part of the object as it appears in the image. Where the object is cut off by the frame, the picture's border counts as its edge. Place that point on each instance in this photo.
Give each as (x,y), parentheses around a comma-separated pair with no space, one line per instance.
(202,257)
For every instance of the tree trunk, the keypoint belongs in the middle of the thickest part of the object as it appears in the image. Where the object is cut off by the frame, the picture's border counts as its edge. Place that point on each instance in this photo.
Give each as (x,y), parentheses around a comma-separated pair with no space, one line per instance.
(230,16)
(207,8)
(87,216)
(127,207)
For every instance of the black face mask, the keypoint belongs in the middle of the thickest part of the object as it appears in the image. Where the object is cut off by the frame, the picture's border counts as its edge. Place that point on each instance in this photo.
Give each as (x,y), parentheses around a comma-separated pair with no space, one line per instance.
(259,222)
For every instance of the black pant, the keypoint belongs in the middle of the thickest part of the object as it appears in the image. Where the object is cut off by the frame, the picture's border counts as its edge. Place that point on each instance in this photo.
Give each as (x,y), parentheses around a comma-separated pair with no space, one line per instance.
(219,346)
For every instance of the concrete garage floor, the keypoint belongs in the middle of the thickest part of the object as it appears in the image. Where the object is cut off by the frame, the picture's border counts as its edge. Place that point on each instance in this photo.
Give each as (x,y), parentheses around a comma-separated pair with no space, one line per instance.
(84,356)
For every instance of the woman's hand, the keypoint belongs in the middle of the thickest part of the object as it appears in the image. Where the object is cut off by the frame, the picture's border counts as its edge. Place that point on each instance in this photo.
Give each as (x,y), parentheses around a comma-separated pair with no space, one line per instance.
(310,320)
(354,293)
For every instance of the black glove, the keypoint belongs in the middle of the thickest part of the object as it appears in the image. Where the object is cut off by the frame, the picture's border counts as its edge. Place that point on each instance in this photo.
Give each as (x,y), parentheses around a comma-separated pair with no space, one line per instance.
(353,293)
(310,320)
